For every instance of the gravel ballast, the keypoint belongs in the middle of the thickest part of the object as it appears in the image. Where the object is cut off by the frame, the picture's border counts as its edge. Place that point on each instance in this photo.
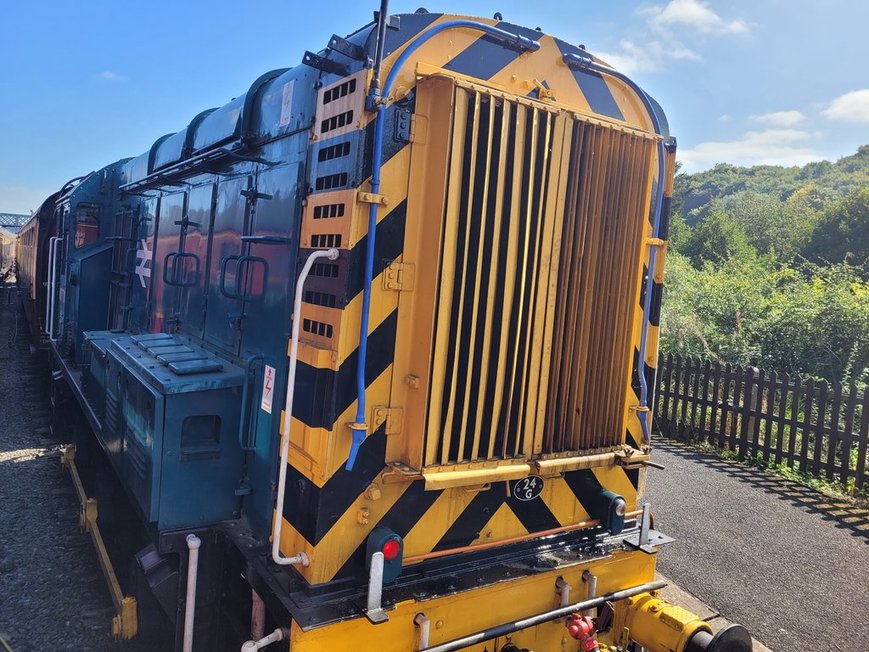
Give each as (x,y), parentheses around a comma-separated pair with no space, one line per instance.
(52,594)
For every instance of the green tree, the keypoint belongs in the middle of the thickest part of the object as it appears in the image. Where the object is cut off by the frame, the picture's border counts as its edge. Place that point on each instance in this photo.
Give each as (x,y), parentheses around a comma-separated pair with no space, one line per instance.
(716,239)
(842,234)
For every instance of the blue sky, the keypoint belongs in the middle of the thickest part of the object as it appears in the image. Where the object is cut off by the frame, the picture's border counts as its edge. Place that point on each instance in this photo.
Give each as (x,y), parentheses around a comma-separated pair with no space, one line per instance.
(83,84)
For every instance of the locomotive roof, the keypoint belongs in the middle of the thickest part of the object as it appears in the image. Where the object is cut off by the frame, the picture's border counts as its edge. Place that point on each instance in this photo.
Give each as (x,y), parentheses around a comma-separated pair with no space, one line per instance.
(249,117)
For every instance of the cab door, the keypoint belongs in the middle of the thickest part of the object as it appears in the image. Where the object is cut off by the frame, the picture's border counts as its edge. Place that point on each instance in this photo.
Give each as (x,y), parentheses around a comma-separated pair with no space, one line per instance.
(164,290)
(224,308)
(192,263)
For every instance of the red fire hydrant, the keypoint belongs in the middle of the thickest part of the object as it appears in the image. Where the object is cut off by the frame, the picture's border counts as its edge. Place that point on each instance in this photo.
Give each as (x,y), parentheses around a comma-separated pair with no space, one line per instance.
(583,630)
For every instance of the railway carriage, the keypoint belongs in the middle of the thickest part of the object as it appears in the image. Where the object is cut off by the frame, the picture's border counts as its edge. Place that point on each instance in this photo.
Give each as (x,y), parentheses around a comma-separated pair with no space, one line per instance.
(7,251)
(371,348)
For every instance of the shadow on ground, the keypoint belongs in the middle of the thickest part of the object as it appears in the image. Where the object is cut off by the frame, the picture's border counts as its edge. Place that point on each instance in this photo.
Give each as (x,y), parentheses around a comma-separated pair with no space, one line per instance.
(842,513)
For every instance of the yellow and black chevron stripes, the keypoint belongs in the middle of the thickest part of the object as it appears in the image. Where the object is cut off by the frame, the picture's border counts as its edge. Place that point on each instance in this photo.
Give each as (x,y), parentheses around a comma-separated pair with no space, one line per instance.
(479,57)
(429,521)
(328,512)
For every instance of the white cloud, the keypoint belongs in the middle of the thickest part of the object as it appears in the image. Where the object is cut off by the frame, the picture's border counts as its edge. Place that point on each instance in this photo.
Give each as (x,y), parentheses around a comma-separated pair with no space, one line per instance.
(631,58)
(769,147)
(850,107)
(109,75)
(695,14)
(726,117)
(22,199)
(780,118)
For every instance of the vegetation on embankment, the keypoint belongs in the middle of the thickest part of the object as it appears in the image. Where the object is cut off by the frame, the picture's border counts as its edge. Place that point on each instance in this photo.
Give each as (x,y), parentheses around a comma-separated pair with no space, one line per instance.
(770,266)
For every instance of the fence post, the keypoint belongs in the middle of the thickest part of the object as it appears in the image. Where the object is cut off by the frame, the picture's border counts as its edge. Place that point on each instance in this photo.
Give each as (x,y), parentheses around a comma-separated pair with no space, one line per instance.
(749,398)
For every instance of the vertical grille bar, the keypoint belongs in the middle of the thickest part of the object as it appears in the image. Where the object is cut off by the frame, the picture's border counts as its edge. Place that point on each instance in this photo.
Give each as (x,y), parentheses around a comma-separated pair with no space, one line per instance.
(504,366)
(437,437)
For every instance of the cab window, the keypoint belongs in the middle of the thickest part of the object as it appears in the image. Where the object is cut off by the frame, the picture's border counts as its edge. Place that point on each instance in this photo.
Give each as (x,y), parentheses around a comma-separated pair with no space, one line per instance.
(87,225)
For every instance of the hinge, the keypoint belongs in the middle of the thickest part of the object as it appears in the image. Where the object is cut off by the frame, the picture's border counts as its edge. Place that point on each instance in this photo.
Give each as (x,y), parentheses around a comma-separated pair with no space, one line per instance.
(252,195)
(398,277)
(402,119)
(391,416)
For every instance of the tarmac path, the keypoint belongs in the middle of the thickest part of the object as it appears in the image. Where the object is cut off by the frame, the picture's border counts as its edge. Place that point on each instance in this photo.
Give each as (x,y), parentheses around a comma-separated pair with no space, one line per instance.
(789,563)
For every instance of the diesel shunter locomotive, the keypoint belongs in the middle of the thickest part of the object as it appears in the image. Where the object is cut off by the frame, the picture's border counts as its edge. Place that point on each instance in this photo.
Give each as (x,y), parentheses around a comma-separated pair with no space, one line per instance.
(370,350)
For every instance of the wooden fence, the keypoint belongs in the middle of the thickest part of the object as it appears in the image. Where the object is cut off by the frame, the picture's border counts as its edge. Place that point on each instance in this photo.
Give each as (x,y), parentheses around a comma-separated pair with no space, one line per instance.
(815,427)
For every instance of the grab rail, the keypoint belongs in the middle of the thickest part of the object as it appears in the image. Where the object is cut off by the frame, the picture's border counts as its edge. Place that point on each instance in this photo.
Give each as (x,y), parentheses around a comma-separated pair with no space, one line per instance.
(52,286)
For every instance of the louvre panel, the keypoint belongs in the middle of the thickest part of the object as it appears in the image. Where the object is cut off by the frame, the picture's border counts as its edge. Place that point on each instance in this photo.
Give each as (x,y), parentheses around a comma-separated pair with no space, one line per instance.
(542,234)
(495,282)
(604,224)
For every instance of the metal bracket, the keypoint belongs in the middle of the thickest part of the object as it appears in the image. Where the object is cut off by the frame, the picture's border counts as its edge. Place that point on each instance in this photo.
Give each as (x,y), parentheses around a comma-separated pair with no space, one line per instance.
(630,458)
(325,65)
(346,48)
(398,277)
(374,610)
(252,195)
(391,416)
(392,21)
(647,538)
(371,198)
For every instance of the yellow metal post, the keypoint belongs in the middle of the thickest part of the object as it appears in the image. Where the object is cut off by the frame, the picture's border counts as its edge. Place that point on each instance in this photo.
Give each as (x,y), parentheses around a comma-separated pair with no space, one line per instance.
(125,622)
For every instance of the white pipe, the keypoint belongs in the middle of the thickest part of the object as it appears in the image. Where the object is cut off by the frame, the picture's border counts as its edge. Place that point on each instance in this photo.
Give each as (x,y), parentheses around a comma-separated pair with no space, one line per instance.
(300,558)
(193,544)
(375,582)
(257,616)
(424,625)
(48,282)
(563,588)
(277,635)
(592,590)
(54,287)
(52,274)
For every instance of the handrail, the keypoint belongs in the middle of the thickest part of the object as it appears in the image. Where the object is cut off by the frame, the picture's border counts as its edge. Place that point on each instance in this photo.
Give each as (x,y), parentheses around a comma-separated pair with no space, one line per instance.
(377,101)
(52,285)
(545,617)
(300,558)
(247,445)
(241,272)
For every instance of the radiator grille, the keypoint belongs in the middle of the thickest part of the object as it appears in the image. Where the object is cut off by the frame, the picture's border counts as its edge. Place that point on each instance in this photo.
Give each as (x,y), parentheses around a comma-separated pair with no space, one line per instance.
(542,232)
(603,232)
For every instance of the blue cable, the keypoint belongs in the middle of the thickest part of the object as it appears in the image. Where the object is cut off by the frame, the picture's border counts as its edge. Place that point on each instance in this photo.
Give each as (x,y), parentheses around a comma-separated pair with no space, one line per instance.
(359,428)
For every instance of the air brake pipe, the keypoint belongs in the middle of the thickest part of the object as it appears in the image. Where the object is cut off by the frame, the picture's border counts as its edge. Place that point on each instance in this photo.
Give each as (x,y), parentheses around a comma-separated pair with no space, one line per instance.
(300,558)
(585,61)
(277,635)
(582,525)
(257,616)
(545,617)
(377,102)
(193,543)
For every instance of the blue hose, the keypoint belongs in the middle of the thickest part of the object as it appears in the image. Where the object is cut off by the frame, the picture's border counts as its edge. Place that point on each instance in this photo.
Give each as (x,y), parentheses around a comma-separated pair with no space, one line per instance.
(359,428)
(585,61)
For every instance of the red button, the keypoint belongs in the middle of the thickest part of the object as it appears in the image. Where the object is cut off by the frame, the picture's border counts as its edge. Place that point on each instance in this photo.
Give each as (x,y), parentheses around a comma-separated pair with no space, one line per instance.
(391,549)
